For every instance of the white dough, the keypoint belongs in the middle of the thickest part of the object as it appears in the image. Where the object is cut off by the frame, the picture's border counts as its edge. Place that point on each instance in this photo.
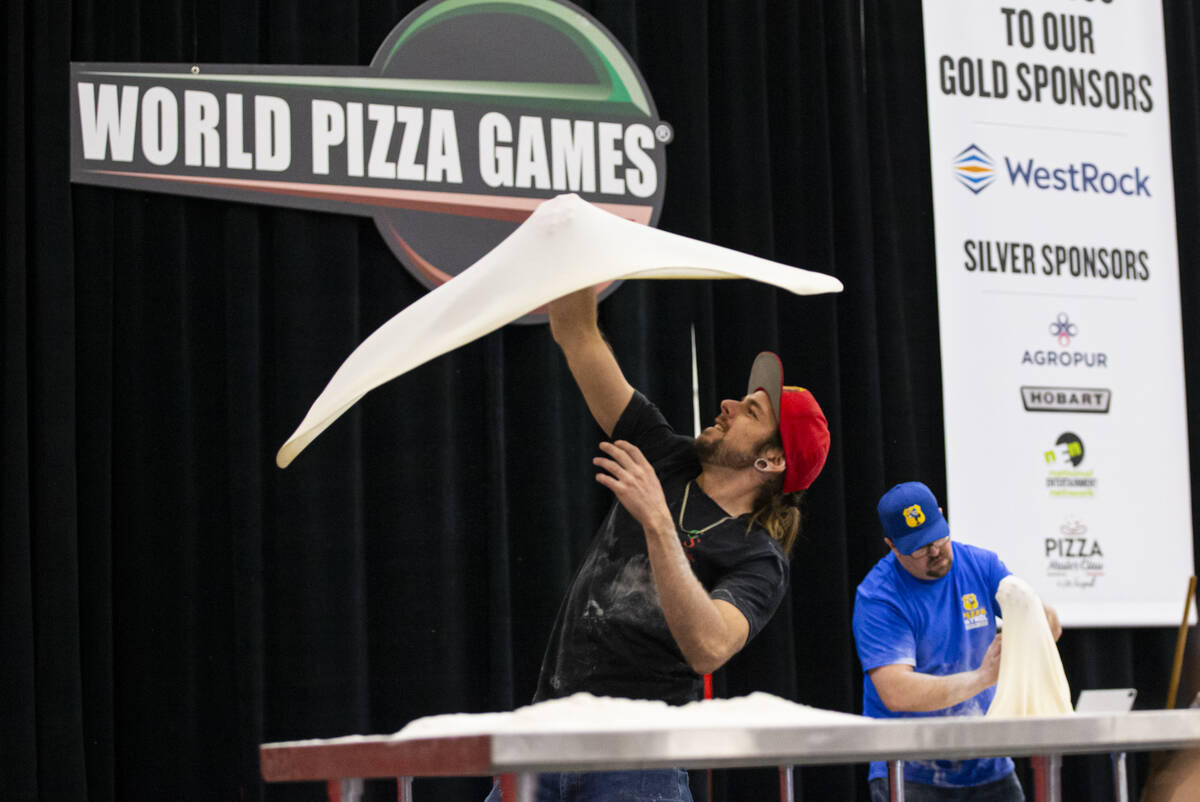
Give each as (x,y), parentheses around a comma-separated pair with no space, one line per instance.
(565,245)
(583,712)
(1032,681)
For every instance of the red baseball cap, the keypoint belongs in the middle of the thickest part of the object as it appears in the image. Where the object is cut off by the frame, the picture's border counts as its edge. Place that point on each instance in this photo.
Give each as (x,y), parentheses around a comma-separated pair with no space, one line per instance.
(802,425)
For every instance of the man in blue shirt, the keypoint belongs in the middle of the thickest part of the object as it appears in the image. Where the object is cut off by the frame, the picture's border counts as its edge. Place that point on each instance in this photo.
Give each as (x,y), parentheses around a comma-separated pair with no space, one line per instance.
(925,628)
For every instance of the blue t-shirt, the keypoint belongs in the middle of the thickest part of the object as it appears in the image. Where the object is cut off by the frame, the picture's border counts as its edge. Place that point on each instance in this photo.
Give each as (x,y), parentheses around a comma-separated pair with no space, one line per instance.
(937,626)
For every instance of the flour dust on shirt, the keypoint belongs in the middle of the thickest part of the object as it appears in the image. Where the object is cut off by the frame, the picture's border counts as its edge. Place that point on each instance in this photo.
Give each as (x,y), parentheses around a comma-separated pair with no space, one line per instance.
(610,637)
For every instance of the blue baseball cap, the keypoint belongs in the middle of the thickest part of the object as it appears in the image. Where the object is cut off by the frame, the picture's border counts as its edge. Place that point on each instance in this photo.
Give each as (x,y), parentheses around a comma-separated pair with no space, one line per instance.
(910,517)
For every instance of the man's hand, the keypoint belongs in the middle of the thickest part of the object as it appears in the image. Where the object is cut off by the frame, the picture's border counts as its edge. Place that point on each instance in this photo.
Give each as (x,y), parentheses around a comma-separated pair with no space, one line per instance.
(989,669)
(632,480)
(1052,620)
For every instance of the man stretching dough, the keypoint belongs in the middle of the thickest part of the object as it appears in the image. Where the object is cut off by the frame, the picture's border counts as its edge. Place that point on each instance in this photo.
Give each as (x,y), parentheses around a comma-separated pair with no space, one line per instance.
(691,561)
(925,627)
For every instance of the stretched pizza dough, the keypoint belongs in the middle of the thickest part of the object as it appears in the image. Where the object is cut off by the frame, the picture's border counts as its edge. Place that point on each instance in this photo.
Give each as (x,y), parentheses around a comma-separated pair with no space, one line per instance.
(1032,681)
(565,245)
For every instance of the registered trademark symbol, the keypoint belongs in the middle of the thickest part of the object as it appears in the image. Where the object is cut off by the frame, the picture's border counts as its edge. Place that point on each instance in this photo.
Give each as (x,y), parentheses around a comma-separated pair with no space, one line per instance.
(663,132)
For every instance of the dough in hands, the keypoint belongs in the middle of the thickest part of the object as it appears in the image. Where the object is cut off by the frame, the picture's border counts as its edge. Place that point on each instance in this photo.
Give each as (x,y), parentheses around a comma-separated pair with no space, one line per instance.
(1032,681)
(565,245)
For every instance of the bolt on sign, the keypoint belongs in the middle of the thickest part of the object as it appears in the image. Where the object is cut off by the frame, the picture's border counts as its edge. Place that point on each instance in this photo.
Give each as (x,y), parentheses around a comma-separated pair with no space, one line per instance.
(471,113)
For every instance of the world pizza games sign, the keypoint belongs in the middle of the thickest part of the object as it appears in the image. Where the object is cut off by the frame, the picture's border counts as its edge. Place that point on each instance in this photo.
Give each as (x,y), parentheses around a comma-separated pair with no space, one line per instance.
(471,113)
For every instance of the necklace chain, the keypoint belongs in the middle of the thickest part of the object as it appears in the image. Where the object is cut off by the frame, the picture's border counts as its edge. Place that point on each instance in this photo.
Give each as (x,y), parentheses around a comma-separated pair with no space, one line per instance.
(687,489)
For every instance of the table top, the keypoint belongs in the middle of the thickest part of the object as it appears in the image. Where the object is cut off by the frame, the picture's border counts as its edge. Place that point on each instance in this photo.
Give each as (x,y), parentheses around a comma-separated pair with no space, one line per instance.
(851,740)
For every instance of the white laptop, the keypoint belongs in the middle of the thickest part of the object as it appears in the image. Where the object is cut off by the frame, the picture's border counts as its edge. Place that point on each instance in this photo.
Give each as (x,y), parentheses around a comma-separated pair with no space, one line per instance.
(1106,700)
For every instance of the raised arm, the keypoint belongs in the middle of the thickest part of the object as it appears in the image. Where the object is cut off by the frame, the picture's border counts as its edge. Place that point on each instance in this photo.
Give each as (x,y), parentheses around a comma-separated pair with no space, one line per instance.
(902,689)
(574,327)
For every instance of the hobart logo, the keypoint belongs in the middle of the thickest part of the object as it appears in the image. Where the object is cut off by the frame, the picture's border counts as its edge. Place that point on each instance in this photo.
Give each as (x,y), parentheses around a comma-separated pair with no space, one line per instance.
(914,516)
(974,169)
(1066,399)
(1065,478)
(471,113)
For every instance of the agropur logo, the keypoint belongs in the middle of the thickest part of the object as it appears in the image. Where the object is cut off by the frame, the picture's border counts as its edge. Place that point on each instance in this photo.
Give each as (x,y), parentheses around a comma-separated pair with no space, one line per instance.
(1062,330)
(976,170)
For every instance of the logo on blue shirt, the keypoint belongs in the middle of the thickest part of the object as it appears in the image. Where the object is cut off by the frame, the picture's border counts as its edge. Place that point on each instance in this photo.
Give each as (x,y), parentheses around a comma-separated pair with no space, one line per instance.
(974,616)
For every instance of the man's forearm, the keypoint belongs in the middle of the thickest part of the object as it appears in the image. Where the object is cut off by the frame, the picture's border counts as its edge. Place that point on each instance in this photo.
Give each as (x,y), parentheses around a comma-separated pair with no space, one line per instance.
(573,317)
(592,363)
(707,632)
(911,692)
(707,635)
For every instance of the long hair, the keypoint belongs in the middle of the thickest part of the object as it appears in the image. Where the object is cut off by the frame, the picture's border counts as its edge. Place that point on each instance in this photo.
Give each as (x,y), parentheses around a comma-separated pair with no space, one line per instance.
(775,511)
(778,513)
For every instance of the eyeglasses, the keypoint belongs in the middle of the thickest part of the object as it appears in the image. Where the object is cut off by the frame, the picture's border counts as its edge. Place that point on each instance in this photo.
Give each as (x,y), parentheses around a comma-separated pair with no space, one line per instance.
(924,551)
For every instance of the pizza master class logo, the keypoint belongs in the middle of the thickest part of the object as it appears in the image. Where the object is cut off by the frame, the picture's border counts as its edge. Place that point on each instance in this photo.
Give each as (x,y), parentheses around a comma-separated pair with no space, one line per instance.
(1073,558)
(471,113)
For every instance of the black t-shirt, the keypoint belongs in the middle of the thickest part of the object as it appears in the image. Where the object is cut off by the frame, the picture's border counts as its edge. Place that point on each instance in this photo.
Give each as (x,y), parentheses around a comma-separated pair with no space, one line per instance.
(610,637)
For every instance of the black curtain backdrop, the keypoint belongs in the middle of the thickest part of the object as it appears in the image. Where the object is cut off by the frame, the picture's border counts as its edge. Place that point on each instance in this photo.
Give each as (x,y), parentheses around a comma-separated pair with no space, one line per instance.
(169,599)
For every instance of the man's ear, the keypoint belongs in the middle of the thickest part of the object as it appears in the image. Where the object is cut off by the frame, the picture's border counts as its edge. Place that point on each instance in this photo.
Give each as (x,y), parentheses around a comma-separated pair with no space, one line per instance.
(774,458)
(891,545)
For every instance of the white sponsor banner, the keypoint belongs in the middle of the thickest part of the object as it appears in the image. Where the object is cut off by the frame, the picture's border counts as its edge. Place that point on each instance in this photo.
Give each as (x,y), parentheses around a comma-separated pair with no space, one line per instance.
(1058,300)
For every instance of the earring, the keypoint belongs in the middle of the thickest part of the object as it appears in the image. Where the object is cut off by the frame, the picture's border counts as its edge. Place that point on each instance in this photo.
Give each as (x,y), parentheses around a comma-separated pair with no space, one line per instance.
(762,464)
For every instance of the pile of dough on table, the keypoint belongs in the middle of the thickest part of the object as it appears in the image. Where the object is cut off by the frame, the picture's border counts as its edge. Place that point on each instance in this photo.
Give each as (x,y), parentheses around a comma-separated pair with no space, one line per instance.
(583,712)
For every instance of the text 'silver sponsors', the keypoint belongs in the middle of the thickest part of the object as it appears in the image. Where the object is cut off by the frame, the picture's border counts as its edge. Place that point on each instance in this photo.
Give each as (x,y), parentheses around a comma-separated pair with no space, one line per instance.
(470,114)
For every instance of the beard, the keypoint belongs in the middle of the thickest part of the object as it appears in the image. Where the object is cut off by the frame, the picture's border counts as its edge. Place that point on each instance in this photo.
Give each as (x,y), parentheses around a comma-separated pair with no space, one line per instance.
(940,568)
(719,455)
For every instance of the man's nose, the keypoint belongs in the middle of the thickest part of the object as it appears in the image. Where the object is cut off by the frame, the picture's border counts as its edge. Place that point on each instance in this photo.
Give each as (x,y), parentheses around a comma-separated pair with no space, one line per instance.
(728,406)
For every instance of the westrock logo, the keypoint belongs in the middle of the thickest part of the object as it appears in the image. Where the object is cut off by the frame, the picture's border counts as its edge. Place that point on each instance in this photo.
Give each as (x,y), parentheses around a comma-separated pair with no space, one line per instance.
(975,170)
(1081,177)
(1062,329)
(1065,478)
(471,113)
(1073,559)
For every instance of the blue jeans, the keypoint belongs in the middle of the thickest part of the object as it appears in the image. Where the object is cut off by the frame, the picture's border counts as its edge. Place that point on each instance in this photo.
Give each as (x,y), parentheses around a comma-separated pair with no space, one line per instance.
(1005,789)
(659,785)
